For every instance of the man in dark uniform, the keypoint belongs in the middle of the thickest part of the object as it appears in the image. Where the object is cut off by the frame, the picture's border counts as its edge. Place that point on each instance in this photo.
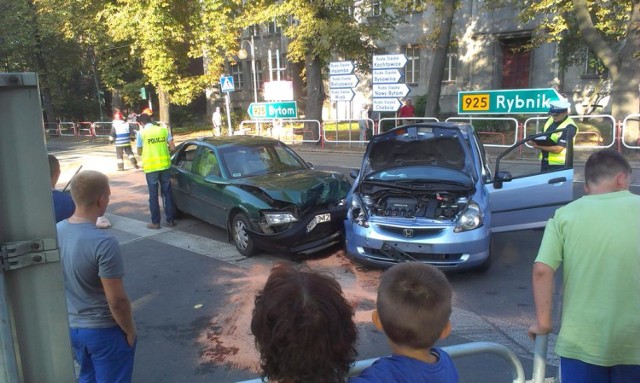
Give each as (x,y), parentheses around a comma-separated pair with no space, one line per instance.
(553,146)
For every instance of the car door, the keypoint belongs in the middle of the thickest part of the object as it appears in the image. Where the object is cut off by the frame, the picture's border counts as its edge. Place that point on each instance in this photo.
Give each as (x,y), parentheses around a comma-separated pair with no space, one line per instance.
(208,188)
(181,174)
(521,196)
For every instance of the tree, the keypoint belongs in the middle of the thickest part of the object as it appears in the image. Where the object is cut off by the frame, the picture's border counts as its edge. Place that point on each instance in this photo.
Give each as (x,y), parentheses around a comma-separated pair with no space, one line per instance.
(320,31)
(445,11)
(610,29)
(167,35)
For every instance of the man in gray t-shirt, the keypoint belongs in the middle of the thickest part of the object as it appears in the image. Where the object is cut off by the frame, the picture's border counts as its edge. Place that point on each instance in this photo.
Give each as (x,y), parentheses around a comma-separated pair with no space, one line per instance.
(101,326)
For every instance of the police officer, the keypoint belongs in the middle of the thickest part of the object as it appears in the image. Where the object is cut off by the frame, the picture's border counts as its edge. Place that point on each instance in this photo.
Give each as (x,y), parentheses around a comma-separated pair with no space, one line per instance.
(121,136)
(553,149)
(154,143)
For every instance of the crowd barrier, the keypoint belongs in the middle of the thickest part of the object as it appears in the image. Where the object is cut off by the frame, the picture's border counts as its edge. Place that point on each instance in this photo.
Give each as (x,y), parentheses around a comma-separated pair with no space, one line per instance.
(479,348)
(594,131)
(286,130)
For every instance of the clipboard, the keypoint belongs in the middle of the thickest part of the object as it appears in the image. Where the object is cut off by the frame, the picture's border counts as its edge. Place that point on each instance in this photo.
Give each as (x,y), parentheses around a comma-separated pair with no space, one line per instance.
(544,141)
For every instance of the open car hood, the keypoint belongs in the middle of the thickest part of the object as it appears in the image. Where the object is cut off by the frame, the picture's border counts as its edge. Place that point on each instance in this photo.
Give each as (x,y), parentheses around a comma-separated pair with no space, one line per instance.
(302,187)
(440,145)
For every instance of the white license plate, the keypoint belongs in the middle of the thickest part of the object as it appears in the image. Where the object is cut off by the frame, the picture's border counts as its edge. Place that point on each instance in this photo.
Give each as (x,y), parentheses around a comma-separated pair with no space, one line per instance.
(326,217)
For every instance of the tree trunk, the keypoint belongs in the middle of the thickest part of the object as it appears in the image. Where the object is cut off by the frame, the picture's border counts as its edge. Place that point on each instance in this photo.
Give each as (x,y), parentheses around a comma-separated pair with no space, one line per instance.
(432,107)
(43,73)
(164,106)
(315,96)
(298,85)
(623,67)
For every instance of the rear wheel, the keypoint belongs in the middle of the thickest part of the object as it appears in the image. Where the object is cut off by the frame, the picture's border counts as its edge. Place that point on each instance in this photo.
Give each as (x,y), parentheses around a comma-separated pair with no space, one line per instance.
(243,242)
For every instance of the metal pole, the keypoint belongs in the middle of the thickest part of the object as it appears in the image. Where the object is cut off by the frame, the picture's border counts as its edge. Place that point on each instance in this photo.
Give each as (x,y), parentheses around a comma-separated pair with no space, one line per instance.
(270,66)
(8,362)
(253,71)
(228,102)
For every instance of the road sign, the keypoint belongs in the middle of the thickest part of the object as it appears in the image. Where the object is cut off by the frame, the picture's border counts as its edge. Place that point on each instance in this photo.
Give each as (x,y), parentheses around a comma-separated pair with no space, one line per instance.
(341,94)
(389,61)
(386,104)
(390,76)
(343,81)
(340,67)
(226,84)
(268,110)
(390,90)
(511,101)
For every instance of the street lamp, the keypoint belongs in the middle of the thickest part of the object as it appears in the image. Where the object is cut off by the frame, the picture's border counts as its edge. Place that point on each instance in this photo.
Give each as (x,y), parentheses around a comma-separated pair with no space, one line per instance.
(242,54)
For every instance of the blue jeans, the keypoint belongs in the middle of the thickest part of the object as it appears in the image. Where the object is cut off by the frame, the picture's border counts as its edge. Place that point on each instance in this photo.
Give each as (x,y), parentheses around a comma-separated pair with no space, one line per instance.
(576,371)
(103,354)
(162,177)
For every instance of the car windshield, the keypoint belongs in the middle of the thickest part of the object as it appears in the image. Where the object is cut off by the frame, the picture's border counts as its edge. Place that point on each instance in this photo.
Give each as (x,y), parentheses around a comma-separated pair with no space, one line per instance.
(246,161)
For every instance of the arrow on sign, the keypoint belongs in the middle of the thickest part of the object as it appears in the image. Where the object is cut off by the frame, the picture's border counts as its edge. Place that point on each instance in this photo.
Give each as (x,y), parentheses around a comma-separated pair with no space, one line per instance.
(389,61)
(386,76)
(340,67)
(390,90)
(344,94)
(343,81)
(386,104)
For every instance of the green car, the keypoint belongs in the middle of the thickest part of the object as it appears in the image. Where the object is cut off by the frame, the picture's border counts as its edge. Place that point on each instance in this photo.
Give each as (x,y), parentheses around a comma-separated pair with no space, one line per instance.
(264,194)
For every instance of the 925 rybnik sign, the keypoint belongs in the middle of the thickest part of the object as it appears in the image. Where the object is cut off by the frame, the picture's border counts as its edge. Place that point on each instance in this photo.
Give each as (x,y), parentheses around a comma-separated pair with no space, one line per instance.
(507,101)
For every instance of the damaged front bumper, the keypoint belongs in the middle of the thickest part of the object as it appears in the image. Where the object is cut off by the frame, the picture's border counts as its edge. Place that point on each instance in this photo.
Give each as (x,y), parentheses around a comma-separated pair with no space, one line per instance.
(314,232)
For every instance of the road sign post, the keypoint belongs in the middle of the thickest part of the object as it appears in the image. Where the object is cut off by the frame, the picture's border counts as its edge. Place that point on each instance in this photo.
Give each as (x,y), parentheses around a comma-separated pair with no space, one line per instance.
(386,87)
(507,101)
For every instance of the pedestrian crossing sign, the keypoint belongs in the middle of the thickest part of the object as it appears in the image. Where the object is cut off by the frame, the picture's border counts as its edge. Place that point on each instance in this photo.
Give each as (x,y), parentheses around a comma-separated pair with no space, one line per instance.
(226,84)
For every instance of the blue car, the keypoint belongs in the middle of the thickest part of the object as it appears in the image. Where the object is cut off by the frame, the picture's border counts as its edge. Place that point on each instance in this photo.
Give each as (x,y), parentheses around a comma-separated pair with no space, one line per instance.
(425,192)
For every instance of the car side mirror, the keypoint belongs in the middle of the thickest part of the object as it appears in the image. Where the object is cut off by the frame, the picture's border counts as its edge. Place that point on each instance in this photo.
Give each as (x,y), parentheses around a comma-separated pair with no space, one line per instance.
(216,180)
(310,165)
(501,177)
(354,173)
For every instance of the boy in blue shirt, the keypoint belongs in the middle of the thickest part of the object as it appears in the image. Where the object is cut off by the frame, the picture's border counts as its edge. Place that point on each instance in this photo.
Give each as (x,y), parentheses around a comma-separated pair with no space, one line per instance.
(413,310)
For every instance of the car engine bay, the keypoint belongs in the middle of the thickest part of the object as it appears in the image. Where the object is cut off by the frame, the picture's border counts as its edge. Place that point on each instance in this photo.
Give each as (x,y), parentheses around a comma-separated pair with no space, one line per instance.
(441,205)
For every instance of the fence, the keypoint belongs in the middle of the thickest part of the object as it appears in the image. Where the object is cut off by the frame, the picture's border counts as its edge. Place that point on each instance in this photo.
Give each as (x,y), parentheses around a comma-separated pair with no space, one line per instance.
(477,348)
(594,131)
(287,130)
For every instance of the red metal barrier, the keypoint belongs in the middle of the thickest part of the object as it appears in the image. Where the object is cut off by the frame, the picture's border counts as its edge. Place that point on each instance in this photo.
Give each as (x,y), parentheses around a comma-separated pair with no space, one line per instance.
(84,129)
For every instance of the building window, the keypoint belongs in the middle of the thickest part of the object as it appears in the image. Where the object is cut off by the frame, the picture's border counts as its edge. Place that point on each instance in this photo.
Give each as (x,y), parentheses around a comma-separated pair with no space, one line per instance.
(412,69)
(592,67)
(376,7)
(516,63)
(259,77)
(238,77)
(451,65)
(273,28)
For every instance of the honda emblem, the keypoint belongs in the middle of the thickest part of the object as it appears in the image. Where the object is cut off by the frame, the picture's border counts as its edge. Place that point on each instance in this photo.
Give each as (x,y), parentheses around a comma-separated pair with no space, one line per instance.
(407,232)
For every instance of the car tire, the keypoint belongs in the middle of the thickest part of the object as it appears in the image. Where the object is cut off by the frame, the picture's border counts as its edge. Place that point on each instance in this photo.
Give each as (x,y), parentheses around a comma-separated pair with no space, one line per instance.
(239,225)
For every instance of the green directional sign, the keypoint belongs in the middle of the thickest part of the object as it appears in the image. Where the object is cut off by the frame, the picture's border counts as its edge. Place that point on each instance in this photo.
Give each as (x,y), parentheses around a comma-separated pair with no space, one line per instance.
(269,110)
(507,101)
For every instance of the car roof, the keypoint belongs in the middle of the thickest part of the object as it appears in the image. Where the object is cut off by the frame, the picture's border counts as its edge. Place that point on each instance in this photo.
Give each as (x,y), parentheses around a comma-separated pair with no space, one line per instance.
(231,141)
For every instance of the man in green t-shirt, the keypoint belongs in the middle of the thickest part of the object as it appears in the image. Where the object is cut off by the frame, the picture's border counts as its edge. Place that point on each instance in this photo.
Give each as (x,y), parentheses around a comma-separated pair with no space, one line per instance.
(597,240)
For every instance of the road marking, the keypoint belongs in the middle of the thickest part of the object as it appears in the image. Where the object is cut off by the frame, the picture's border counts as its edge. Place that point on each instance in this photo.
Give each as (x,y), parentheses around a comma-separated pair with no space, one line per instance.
(200,245)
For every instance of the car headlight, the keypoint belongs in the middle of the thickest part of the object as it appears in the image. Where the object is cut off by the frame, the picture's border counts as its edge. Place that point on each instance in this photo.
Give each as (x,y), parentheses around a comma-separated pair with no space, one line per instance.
(279,218)
(471,218)
(358,211)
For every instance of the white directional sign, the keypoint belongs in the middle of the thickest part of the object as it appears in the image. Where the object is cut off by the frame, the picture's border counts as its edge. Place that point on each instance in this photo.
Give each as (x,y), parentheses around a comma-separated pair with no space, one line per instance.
(340,67)
(389,61)
(386,104)
(342,94)
(390,90)
(343,81)
(386,76)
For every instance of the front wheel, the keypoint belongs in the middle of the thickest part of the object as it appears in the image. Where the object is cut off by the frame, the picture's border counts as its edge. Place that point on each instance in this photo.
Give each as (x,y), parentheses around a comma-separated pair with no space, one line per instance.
(243,242)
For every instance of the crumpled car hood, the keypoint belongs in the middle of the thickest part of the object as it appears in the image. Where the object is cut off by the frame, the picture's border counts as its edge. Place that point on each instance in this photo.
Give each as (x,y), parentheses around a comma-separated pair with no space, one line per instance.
(303,187)
(434,144)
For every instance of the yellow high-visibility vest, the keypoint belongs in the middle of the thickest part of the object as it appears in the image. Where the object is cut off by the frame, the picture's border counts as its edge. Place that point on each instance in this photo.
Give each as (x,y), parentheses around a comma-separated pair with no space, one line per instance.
(557,158)
(155,148)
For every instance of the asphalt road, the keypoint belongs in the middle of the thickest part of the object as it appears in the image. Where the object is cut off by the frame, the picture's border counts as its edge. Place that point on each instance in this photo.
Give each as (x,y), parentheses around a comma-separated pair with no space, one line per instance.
(192,292)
